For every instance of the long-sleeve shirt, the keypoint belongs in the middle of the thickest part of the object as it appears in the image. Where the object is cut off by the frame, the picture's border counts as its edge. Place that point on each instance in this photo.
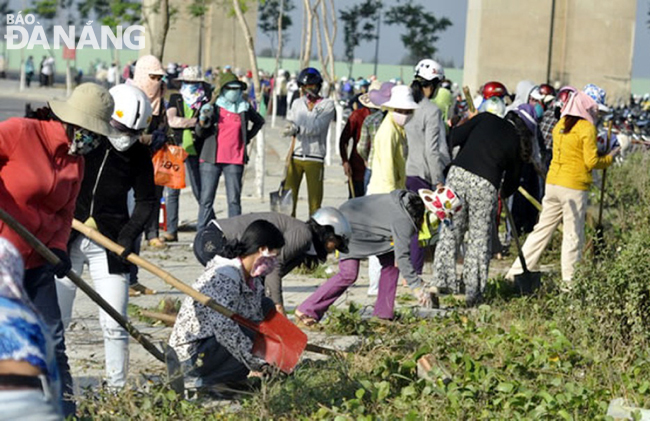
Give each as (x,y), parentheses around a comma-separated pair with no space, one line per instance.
(381,224)
(39,183)
(368,131)
(311,141)
(490,149)
(575,155)
(427,144)
(223,281)
(352,131)
(388,163)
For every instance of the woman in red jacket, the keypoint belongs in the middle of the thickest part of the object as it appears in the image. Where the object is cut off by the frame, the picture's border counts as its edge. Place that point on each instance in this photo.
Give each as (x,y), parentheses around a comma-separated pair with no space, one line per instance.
(41,167)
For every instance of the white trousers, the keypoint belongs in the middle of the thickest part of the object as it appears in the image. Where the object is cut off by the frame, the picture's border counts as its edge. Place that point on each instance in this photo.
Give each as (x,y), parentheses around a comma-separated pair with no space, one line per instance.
(114,288)
(560,204)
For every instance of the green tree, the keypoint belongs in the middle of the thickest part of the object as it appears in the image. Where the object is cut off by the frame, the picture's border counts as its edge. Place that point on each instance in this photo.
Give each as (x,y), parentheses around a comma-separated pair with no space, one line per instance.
(267,19)
(112,12)
(422,29)
(359,24)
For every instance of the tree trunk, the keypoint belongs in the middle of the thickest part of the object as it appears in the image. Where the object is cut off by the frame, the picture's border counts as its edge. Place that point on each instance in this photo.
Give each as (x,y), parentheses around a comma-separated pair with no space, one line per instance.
(159,36)
(308,33)
(329,39)
(278,52)
(319,44)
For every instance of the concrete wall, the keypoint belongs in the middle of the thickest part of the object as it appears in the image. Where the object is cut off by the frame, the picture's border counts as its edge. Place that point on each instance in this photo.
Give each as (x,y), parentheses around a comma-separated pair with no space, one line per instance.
(508,40)
(220,34)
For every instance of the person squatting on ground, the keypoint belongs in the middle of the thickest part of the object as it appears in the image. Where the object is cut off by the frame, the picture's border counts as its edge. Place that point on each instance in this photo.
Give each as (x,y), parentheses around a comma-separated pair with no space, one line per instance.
(118,164)
(182,117)
(41,167)
(225,133)
(575,155)
(491,149)
(212,348)
(428,154)
(309,120)
(30,387)
(306,243)
(382,225)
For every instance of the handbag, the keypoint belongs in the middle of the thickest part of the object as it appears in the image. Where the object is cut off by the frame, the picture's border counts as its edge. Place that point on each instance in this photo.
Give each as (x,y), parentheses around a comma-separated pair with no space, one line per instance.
(168,167)
(282,199)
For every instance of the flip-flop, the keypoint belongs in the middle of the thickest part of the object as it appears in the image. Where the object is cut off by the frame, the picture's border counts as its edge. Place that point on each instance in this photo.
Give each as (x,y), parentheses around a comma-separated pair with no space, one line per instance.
(303,320)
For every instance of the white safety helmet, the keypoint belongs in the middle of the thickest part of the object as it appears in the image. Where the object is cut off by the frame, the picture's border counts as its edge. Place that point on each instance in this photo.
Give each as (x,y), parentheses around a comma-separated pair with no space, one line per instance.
(430,70)
(494,105)
(334,218)
(132,107)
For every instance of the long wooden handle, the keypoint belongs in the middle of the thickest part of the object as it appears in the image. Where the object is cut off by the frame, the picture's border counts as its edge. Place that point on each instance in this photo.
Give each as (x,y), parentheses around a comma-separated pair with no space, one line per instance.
(468,99)
(515,235)
(602,187)
(167,277)
(53,259)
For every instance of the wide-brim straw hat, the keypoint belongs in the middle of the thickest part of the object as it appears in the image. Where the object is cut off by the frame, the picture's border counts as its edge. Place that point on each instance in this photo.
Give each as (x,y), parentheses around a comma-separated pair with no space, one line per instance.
(90,106)
(191,74)
(365,98)
(401,98)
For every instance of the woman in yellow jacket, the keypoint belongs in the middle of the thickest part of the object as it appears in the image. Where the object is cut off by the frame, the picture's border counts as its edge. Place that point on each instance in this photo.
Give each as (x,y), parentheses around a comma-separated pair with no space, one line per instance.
(388,163)
(575,155)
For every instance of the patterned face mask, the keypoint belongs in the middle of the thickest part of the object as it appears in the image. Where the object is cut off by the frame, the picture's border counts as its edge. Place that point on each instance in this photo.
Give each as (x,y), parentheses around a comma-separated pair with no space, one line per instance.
(192,94)
(83,142)
(265,264)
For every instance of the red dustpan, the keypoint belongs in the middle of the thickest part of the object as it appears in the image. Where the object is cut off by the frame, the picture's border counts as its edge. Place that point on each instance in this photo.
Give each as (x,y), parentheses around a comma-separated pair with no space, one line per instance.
(278,341)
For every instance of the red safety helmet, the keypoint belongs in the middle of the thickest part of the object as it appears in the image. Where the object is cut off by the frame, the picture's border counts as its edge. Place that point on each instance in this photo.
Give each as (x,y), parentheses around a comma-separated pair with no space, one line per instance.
(494,88)
(546,89)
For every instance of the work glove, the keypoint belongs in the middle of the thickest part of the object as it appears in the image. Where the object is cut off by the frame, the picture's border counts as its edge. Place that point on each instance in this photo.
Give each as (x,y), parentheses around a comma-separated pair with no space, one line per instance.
(62,268)
(291,130)
(128,249)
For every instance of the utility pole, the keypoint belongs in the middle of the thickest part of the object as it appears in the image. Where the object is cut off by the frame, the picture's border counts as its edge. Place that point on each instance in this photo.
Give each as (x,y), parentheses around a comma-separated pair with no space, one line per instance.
(550,43)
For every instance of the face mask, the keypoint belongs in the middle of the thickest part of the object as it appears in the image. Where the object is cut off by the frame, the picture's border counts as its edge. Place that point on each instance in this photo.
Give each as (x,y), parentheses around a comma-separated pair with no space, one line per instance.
(122,142)
(311,94)
(83,142)
(264,265)
(401,119)
(192,94)
(539,110)
(232,95)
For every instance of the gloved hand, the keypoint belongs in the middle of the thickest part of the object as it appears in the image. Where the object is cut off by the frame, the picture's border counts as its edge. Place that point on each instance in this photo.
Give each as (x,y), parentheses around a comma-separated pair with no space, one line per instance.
(291,130)
(62,268)
(127,250)
(206,110)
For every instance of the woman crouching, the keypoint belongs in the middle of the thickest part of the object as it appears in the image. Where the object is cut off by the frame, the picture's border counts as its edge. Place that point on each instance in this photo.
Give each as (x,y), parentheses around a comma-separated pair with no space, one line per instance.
(212,348)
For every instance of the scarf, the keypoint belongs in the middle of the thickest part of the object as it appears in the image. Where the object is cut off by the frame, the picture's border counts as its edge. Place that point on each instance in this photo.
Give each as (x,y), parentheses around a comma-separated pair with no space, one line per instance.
(581,105)
(193,94)
(153,89)
(239,106)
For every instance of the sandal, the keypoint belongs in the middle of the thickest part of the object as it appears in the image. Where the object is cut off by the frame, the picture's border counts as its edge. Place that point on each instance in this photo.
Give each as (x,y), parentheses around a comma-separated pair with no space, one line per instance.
(306,321)
(169,238)
(141,289)
(157,244)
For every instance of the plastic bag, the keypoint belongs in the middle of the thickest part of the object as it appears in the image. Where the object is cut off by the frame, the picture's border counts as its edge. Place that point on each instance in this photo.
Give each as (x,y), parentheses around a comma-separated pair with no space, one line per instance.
(168,167)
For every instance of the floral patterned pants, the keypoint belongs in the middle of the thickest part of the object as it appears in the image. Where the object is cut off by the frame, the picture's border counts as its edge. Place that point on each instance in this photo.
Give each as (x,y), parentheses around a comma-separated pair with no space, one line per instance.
(479,198)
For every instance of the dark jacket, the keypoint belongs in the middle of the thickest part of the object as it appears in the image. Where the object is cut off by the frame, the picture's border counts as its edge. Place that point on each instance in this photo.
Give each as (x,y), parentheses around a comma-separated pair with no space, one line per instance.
(490,149)
(109,175)
(298,240)
(381,224)
(207,136)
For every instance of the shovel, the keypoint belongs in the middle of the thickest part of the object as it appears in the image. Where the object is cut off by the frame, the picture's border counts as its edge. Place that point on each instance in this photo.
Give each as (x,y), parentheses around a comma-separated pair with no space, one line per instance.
(526,282)
(282,199)
(599,235)
(278,341)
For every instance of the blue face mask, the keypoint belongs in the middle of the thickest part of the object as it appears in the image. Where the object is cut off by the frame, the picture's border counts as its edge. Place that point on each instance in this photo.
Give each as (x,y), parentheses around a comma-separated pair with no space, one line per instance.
(232,95)
(539,110)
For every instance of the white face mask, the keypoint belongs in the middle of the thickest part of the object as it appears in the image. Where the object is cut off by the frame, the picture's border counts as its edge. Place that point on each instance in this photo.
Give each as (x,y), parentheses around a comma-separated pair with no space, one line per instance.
(401,119)
(122,142)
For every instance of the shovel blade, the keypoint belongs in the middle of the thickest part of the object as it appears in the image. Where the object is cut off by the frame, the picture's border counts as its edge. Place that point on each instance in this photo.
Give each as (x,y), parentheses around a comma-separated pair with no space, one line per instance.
(528,282)
(279,342)
(281,201)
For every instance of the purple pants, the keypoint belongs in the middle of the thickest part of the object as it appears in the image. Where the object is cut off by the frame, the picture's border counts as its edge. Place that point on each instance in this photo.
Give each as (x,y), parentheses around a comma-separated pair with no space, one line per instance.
(417,253)
(317,304)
